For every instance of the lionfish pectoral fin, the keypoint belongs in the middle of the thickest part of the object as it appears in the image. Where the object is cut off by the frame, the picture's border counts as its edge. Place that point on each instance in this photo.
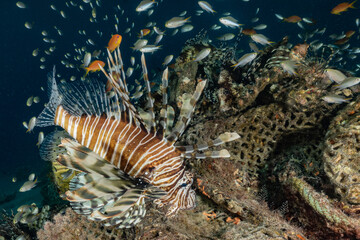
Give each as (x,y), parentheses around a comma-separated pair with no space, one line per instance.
(223,153)
(130,217)
(49,149)
(101,191)
(223,138)
(154,192)
(85,187)
(82,159)
(190,151)
(125,211)
(120,205)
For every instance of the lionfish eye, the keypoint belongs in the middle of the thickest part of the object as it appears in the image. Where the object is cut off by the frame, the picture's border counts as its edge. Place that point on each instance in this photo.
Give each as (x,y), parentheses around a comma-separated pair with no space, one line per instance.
(183,185)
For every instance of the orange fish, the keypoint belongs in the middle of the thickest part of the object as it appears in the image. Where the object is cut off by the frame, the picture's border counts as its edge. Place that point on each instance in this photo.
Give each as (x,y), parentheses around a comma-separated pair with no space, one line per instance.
(248,31)
(94,66)
(292,19)
(348,34)
(342,7)
(114,42)
(143,32)
(342,41)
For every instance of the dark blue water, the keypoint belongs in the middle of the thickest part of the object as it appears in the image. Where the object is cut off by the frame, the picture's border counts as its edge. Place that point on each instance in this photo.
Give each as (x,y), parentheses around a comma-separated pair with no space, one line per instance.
(21,76)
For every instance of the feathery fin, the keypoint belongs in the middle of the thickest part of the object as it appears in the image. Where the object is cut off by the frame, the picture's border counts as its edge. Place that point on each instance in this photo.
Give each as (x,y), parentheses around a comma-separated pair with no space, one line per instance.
(46,117)
(103,192)
(186,113)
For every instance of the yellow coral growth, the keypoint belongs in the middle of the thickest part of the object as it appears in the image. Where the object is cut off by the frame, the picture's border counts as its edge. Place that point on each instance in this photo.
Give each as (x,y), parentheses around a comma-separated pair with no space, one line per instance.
(61,182)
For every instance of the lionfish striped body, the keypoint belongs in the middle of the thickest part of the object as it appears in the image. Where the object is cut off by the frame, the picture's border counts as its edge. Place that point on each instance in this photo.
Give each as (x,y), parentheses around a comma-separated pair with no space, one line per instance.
(110,135)
(130,148)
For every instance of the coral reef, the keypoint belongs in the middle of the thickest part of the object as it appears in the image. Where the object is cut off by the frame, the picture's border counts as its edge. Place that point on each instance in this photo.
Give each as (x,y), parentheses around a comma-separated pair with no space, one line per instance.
(11,230)
(69,225)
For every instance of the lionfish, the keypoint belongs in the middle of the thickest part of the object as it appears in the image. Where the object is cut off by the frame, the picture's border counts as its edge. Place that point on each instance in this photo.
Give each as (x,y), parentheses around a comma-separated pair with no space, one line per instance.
(123,159)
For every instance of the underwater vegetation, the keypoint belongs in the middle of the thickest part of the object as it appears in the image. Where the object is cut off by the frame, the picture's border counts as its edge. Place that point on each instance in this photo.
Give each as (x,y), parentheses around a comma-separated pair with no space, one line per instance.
(265,146)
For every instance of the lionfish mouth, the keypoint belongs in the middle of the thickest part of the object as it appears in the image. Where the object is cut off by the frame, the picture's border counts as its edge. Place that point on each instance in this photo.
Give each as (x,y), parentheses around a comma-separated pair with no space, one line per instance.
(180,197)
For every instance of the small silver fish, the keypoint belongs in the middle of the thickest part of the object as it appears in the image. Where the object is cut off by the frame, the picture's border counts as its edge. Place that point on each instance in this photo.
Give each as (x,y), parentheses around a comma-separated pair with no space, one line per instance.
(333,98)
(245,59)
(28,185)
(230,22)
(187,28)
(31,124)
(259,38)
(36,99)
(202,54)
(182,13)
(31,177)
(149,48)
(40,139)
(168,59)
(158,39)
(278,16)
(28,25)
(140,44)
(20,5)
(335,75)
(176,22)
(87,59)
(145,5)
(63,14)
(129,72)
(226,37)
(206,6)
(29,101)
(348,82)
(260,27)
(35,52)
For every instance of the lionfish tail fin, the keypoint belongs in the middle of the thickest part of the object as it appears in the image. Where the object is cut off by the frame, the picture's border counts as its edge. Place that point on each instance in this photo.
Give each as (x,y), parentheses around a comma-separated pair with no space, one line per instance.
(46,117)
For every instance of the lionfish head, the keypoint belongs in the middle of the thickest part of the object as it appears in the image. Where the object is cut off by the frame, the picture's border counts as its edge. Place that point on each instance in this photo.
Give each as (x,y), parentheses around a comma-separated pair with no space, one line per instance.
(181,196)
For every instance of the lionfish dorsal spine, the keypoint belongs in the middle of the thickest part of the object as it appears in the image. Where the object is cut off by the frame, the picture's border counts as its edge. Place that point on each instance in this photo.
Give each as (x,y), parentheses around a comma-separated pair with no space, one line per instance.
(163,112)
(150,103)
(186,112)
